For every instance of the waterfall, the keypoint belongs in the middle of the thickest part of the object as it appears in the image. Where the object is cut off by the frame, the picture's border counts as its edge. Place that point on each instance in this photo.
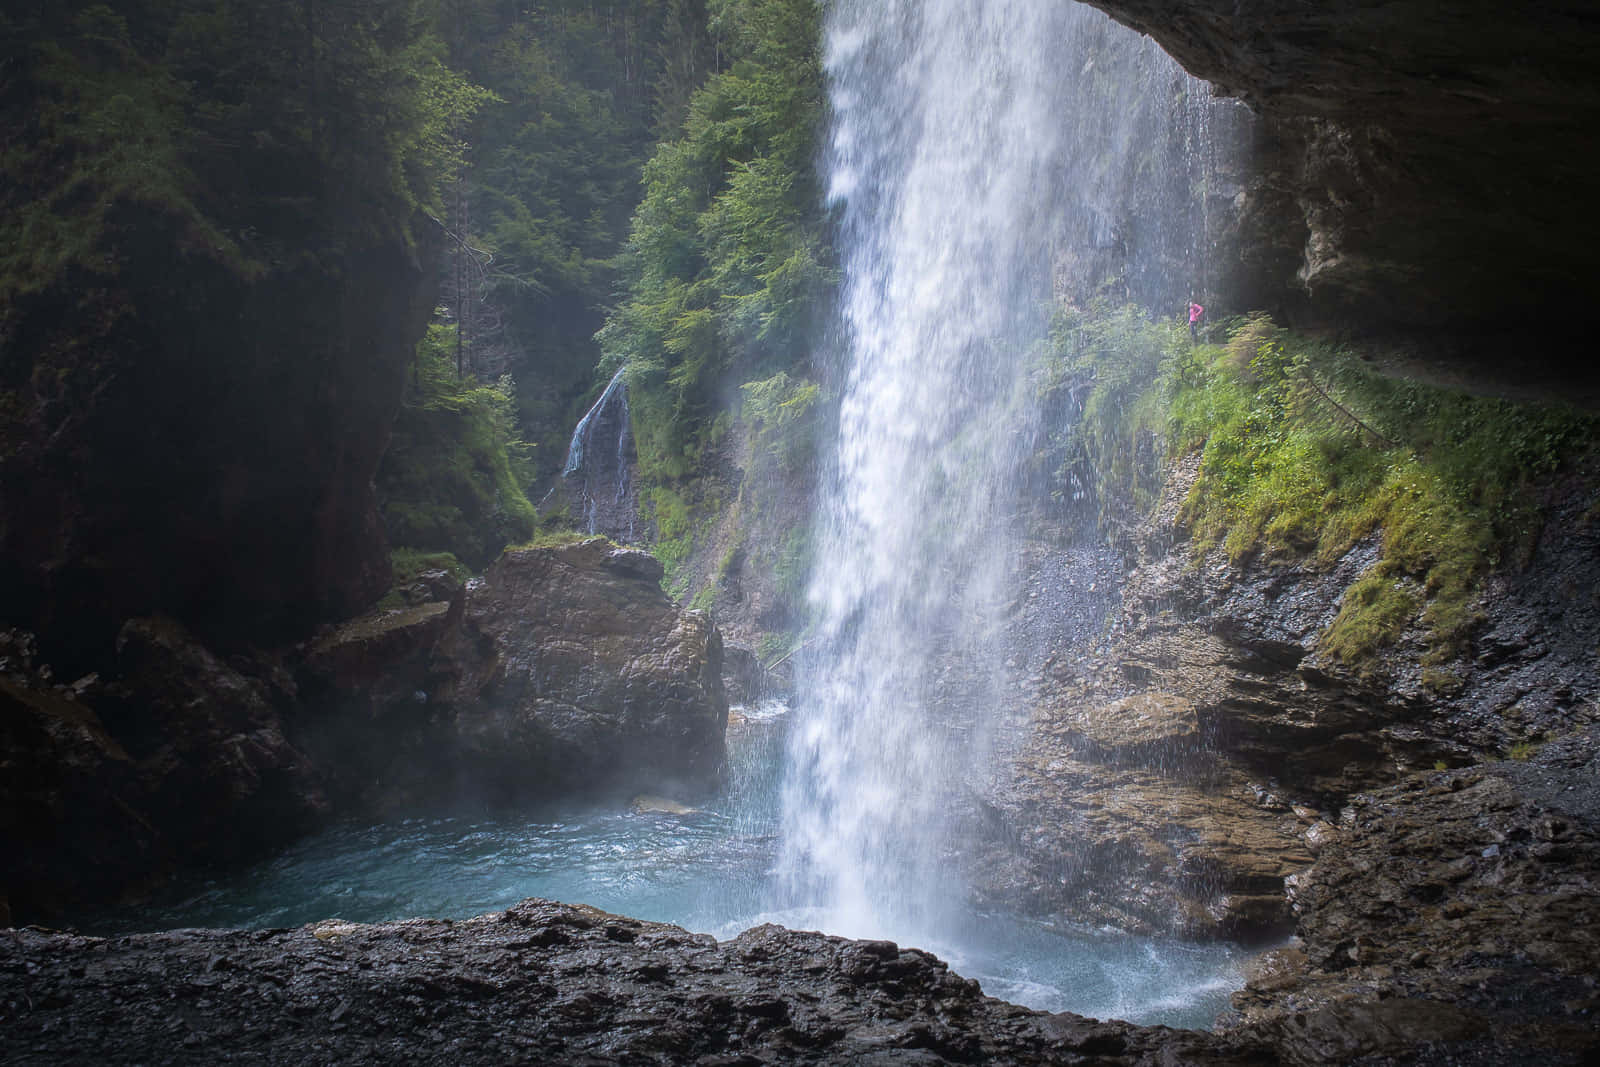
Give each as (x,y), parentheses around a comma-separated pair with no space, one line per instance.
(983,158)
(600,461)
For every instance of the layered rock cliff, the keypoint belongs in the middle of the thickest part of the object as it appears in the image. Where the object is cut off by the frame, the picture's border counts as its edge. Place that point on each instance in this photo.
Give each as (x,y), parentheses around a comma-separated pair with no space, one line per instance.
(1185,763)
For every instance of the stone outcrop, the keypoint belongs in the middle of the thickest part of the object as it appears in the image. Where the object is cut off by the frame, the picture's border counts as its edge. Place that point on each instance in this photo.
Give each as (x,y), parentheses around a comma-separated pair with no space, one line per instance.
(562,670)
(1423,170)
(1176,773)
(538,983)
(1454,909)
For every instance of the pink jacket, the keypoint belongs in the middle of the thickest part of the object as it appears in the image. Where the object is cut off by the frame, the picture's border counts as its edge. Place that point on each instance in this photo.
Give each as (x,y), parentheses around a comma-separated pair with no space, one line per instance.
(1195,311)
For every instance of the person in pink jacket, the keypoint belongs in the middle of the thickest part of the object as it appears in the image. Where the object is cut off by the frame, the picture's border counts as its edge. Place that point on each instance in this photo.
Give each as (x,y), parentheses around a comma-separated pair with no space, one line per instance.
(1195,311)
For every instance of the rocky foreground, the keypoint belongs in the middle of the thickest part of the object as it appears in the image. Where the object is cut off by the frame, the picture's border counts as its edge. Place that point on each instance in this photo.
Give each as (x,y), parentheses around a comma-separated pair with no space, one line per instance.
(1450,919)
(539,983)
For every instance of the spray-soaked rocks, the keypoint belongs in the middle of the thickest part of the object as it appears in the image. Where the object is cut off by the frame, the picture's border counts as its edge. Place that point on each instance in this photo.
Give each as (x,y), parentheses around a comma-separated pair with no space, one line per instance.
(564,670)
(1453,907)
(539,983)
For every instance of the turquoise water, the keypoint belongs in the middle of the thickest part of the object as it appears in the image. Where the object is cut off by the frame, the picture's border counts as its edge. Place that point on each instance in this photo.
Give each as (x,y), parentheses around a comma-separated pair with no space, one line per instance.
(707,871)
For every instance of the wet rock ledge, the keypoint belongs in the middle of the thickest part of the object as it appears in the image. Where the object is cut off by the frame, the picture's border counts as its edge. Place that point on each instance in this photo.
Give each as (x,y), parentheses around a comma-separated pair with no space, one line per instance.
(539,983)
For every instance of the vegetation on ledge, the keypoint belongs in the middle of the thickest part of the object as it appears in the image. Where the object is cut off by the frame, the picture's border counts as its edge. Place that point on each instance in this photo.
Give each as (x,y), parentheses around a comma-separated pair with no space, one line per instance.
(452,479)
(728,274)
(1305,452)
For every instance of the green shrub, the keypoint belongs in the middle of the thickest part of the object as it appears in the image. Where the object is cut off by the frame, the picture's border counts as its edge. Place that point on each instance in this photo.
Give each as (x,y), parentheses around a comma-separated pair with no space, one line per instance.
(1119,432)
(781,413)
(453,477)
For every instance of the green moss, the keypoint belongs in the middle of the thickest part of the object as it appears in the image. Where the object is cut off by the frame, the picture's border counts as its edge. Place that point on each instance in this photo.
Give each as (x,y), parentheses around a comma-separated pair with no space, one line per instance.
(1305,452)
(556,537)
(1444,683)
(1523,750)
(409,563)
(1375,610)
(674,535)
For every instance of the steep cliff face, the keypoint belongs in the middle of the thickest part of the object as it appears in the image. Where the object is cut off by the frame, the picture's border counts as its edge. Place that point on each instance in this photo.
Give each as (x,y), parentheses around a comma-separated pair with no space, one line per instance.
(1424,172)
(215,272)
(203,445)
(1179,768)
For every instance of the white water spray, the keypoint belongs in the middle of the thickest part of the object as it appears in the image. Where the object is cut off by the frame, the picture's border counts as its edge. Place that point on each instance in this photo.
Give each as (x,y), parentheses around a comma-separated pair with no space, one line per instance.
(974,149)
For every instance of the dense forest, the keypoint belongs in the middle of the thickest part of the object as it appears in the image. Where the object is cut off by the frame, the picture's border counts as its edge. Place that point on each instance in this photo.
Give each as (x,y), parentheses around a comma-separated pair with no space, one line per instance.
(252,211)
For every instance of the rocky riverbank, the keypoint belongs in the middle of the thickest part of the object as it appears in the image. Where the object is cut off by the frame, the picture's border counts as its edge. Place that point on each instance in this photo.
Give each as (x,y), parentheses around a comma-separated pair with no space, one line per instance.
(1447,920)
(564,670)
(538,983)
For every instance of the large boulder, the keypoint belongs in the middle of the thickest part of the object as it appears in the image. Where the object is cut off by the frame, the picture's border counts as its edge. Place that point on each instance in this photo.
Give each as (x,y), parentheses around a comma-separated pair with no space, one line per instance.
(579,672)
(563,670)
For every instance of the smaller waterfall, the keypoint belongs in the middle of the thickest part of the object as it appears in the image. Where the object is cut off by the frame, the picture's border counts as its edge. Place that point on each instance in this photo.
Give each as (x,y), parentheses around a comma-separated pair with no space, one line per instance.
(600,460)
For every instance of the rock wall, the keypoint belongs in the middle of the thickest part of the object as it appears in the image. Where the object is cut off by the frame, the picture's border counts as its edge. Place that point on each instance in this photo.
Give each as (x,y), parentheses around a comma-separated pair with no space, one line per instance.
(1424,172)
(1196,755)
(1452,910)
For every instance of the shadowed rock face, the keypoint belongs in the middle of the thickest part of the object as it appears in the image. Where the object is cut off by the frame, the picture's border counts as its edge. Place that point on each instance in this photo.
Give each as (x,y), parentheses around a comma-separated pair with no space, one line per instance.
(214,467)
(564,670)
(105,786)
(1425,171)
